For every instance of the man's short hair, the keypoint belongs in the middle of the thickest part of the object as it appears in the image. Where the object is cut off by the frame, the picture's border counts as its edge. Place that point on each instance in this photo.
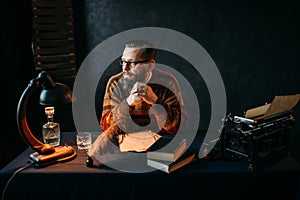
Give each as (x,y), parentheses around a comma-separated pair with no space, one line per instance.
(147,49)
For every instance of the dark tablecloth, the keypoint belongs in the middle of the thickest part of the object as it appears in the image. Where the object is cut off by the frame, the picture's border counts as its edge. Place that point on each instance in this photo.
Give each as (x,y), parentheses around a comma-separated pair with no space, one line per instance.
(214,179)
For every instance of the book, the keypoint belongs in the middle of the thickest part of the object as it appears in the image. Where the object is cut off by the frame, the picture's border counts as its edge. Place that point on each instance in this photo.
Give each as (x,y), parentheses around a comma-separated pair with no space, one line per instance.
(168,167)
(169,152)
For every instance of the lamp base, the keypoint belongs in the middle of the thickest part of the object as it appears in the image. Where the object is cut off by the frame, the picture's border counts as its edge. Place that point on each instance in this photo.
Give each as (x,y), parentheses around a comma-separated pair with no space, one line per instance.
(61,154)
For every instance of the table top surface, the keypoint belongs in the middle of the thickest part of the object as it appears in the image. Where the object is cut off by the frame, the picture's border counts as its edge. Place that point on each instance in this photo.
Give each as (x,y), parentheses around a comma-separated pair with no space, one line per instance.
(78,164)
(216,179)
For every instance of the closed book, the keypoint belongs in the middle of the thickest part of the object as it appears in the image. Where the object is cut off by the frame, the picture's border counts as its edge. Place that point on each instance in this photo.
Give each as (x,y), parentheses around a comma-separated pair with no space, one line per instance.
(168,167)
(170,152)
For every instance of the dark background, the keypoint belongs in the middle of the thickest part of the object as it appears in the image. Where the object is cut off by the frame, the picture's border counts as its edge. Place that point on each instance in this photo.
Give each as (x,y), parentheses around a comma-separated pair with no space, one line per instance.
(255,45)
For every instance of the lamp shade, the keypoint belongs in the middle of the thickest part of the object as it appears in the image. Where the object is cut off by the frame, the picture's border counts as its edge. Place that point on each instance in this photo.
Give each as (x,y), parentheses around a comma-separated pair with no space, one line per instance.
(56,95)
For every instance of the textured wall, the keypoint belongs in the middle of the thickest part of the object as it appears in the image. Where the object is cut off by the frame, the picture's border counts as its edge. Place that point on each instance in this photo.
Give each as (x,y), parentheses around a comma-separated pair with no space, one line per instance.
(254,45)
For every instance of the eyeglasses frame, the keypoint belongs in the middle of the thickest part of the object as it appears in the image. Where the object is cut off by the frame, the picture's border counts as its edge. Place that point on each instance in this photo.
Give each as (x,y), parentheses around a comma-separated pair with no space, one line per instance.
(132,63)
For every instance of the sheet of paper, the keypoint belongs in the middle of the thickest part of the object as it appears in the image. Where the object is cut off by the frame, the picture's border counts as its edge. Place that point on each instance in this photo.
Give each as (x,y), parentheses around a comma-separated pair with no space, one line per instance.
(138,141)
(258,111)
(282,104)
(278,105)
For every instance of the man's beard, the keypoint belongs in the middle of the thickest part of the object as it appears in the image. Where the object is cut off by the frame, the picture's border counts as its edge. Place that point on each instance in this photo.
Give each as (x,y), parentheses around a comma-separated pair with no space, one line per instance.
(127,83)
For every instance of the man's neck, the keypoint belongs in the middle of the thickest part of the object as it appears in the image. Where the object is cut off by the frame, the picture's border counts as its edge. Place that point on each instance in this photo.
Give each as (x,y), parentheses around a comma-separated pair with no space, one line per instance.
(147,79)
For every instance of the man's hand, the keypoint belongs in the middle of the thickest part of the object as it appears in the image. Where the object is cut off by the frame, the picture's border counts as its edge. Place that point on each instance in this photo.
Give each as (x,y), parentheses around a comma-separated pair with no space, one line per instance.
(141,92)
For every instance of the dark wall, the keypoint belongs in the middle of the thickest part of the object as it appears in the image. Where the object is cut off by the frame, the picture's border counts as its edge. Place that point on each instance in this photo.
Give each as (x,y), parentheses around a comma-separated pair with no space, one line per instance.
(254,44)
(17,70)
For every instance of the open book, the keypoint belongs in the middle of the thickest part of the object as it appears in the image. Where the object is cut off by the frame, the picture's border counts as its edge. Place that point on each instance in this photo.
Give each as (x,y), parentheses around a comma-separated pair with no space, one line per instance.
(168,167)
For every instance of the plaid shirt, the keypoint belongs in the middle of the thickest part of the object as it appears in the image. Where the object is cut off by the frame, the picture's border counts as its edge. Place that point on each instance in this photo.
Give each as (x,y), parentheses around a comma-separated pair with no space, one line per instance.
(117,112)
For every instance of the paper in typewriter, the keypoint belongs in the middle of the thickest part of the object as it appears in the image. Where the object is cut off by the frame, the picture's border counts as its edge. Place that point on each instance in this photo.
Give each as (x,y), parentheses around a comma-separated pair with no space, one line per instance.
(282,103)
(278,105)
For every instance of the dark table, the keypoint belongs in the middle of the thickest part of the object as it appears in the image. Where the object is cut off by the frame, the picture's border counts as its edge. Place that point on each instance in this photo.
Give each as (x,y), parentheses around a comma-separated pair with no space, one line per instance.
(214,179)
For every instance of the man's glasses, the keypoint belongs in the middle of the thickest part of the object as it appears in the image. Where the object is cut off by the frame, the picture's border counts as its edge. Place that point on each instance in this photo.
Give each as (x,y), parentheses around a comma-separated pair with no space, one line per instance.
(132,63)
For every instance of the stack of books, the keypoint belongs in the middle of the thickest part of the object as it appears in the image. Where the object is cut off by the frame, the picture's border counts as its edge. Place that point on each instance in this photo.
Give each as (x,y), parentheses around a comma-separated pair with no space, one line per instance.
(171,157)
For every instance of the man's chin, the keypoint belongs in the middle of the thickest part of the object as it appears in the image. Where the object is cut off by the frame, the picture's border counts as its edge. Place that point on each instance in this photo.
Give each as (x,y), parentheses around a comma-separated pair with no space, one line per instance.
(128,76)
(132,77)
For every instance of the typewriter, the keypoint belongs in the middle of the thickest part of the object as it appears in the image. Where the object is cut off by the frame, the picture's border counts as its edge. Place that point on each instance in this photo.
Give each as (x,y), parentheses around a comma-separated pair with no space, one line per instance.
(256,138)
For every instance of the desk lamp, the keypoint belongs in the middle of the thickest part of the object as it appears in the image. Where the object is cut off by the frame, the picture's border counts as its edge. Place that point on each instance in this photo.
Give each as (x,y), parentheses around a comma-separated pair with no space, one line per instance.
(52,94)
